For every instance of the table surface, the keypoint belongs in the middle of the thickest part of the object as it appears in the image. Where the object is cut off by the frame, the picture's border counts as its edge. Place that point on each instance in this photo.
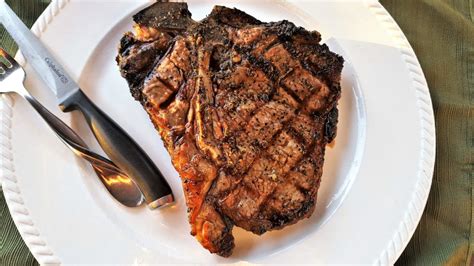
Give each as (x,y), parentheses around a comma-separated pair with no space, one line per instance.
(442,35)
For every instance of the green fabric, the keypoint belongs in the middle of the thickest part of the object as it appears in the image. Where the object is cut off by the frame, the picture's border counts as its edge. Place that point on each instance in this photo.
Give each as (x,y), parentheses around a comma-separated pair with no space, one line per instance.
(442,35)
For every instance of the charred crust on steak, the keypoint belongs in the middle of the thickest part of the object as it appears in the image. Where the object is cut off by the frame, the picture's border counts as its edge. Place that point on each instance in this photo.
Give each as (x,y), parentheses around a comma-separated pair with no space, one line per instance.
(245,109)
(231,17)
(330,127)
(166,16)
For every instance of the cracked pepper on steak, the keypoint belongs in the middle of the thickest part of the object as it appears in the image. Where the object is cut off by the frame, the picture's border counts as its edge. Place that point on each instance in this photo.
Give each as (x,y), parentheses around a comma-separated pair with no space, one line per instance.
(245,110)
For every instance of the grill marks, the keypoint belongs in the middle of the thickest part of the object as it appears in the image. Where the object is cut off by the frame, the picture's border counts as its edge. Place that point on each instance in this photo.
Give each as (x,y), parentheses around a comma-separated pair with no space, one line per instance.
(295,198)
(270,167)
(165,88)
(276,167)
(240,94)
(256,136)
(293,87)
(245,110)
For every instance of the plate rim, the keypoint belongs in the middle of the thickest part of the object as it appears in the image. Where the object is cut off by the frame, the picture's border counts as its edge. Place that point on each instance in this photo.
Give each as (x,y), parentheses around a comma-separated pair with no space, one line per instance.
(45,255)
(412,217)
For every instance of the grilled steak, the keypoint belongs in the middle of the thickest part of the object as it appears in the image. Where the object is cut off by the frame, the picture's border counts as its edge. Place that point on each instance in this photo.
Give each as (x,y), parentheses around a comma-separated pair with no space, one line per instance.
(245,109)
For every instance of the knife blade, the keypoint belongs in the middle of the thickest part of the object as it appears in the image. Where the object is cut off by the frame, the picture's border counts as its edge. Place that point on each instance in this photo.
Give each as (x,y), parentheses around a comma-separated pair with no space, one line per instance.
(38,57)
(115,142)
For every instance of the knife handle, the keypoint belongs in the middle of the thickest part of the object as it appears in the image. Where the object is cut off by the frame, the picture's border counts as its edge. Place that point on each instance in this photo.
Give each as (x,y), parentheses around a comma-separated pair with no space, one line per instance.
(122,150)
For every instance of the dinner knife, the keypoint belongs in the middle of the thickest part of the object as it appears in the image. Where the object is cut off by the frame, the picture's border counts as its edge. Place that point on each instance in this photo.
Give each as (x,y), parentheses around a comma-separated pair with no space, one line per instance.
(115,142)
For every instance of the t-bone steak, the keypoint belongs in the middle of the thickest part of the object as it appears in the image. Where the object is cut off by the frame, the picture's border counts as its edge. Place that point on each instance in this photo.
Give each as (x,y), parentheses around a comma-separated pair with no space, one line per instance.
(245,109)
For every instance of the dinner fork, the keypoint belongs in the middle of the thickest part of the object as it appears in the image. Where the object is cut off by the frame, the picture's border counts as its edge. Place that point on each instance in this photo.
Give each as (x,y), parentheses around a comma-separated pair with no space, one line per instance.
(115,180)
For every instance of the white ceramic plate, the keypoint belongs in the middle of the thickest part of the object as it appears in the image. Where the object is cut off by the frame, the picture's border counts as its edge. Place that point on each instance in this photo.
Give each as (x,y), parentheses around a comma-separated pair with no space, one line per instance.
(376,178)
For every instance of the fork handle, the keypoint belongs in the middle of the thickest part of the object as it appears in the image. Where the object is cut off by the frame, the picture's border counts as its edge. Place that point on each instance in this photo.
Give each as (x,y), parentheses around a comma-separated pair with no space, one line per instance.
(60,128)
(123,151)
(103,167)
(71,139)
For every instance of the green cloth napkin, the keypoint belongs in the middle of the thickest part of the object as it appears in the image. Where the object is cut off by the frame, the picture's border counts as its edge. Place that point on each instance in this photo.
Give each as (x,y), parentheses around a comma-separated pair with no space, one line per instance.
(442,35)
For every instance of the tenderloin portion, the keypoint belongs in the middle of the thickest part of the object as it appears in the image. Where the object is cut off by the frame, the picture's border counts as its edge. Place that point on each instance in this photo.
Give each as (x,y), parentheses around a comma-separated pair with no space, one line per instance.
(245,110)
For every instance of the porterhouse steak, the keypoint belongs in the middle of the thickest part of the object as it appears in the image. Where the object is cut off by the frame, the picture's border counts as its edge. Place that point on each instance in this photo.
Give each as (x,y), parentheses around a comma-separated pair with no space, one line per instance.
(245,110)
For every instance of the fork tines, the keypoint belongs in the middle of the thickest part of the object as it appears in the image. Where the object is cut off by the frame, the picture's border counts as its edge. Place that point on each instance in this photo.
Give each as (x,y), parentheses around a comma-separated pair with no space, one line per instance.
(10,60)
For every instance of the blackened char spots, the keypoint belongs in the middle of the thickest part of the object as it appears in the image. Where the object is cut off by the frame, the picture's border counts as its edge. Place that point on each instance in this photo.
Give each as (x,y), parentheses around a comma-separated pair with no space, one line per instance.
(231,17)
(279,220)
(125,43)
(331,125)
(165,16)
(136,59)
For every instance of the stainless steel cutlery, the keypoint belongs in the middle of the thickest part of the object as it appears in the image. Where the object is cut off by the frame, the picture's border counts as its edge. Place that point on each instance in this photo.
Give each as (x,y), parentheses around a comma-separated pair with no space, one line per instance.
(115,142)
(114,179)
